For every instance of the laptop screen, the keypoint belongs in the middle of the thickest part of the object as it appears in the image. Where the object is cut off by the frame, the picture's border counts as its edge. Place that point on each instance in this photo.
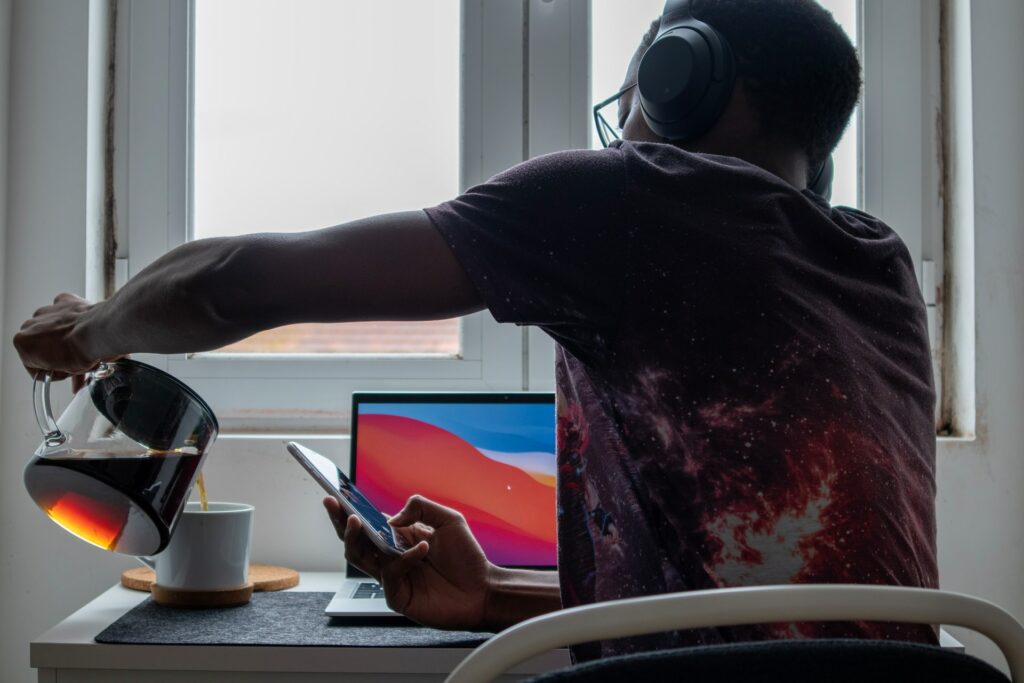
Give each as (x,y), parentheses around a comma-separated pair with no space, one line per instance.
(489,456)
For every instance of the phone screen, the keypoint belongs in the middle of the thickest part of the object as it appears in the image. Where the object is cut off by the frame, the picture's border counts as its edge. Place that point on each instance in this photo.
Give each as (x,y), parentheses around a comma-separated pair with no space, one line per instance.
(343,487)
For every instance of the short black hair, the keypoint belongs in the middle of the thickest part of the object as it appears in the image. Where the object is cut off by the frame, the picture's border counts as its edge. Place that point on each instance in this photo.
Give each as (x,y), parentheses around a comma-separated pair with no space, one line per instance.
(796,63)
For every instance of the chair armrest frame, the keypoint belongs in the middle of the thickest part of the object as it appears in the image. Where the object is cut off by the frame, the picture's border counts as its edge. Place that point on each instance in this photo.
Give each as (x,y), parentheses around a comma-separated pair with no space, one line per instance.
(737,606)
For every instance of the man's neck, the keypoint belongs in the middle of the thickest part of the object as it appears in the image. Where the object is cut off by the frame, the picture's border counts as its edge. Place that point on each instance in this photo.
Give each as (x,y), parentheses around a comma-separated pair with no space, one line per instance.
(788,164)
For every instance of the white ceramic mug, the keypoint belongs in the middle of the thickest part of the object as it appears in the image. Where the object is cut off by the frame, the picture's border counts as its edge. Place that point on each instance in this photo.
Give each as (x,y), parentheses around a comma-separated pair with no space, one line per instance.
(208,550)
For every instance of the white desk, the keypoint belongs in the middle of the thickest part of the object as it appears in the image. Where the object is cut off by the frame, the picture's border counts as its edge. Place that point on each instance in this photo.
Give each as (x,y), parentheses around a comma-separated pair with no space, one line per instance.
(68,653)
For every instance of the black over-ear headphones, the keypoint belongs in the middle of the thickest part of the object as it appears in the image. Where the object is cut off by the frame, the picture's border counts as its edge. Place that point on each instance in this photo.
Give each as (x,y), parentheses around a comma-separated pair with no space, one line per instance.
(685,80)
(686,76)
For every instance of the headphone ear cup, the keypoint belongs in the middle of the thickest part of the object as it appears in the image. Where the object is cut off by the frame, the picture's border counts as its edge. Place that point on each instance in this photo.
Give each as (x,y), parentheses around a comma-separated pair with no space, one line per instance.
(673,75)
(684,80)
(821,184)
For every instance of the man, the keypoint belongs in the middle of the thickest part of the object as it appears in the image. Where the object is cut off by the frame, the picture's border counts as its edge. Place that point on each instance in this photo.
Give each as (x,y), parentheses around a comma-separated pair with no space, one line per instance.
(744,378)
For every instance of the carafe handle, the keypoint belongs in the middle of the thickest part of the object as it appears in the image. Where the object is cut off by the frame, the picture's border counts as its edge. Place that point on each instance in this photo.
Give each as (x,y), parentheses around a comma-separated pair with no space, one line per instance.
(52,436)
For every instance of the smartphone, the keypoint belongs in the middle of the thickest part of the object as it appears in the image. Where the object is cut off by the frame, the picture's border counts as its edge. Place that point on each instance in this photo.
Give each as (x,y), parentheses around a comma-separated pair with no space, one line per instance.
(334,481)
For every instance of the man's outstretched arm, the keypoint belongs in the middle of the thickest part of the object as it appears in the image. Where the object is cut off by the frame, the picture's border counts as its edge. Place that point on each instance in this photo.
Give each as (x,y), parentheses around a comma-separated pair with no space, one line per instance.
(212,292)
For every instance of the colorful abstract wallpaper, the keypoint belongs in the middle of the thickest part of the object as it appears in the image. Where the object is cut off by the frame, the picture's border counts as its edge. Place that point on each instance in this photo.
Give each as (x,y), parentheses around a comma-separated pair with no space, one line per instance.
(495,463)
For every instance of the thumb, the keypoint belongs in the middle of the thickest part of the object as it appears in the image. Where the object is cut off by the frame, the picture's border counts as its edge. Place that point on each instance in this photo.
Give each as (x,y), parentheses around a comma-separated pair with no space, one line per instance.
(420,509)
(399,567)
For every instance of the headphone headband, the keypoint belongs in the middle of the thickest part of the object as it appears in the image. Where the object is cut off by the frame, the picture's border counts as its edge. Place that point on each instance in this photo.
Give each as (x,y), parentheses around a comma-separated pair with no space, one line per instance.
(675,11)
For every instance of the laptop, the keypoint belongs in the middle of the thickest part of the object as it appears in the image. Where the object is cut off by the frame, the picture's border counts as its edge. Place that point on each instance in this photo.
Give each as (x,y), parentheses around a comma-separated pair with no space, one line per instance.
(491,456)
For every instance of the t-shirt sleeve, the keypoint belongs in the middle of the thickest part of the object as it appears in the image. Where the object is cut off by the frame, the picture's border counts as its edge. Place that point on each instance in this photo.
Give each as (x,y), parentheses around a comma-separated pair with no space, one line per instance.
(542,241)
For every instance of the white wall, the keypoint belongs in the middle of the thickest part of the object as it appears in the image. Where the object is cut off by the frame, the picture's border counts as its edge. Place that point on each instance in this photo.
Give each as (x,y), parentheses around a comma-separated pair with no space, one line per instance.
(5,63)
(42,578)
(45,575)
(981,484)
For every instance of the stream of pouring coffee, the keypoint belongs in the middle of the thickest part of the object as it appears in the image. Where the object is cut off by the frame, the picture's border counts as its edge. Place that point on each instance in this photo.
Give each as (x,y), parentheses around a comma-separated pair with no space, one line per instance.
(204,505)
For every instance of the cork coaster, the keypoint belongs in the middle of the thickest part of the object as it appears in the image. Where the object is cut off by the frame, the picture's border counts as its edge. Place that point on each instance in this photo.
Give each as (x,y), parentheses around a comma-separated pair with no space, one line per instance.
(138,579)
(267,577)
(174,597)
(264,577)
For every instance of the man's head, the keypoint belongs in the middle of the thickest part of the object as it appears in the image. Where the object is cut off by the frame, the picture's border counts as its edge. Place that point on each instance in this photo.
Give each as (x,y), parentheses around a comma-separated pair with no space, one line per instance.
(797,82)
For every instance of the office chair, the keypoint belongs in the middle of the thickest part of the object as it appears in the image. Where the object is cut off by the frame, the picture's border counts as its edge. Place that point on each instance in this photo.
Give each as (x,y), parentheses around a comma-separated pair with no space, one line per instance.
(805,660)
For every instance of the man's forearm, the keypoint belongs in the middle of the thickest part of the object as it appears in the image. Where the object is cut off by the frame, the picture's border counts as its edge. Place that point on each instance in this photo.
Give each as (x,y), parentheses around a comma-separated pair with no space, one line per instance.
(172,306)
(516,595)
(209,293)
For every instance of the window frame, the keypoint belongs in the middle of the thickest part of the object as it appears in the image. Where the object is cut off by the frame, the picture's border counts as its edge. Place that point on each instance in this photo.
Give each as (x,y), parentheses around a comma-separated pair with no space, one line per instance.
(901,146)
(512,110)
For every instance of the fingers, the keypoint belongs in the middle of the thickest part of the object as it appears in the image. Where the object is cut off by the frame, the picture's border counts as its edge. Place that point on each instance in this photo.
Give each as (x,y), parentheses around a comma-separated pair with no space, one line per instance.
(66,297)
(391,571)
(415,533)
(40,374)
(337,515)
(359,549)
(405,562)
(420,509)
(45,343)
(394,573)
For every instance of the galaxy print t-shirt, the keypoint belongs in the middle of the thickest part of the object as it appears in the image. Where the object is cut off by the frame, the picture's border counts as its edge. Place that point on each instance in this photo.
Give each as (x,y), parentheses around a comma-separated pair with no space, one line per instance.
(744,378)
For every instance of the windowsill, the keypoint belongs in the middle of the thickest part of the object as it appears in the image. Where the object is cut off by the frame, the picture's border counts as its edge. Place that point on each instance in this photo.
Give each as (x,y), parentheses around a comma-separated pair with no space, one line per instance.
(273,424)
(283,436)
(957,440)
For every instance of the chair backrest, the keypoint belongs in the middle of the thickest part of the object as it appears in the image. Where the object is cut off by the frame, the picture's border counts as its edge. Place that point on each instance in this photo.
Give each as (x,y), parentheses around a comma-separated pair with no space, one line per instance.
(737,606)
(787,661)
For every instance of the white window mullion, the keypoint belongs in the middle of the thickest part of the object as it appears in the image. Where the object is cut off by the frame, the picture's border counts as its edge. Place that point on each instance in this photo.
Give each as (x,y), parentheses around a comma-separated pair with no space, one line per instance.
(122,61)
(492,73)
(900,111)
(559,85)
(901,164)
(155,44)
(558,55)
(492,141)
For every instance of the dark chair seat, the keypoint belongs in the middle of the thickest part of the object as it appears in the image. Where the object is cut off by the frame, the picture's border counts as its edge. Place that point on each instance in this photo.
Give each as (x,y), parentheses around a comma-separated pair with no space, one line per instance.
(787,661)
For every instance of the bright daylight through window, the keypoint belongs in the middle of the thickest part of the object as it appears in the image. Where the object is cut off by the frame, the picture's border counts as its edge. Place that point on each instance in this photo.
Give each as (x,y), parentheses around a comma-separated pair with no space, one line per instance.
(616,30)
(311,113)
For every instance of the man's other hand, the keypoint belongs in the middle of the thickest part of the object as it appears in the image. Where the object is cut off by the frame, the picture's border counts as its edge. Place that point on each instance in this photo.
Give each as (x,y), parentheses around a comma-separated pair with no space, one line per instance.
(442,581)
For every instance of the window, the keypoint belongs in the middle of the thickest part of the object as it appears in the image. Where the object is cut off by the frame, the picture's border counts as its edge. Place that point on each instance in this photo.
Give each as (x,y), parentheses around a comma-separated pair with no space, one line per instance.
(163,105)
(314,132)
(528,73)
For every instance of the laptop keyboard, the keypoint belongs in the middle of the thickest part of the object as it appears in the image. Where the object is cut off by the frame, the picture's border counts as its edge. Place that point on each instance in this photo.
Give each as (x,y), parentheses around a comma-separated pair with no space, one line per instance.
(369,590)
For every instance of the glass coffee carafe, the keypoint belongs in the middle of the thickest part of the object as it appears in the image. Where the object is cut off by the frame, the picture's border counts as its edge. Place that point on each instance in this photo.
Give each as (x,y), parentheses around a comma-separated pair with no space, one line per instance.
(117,467)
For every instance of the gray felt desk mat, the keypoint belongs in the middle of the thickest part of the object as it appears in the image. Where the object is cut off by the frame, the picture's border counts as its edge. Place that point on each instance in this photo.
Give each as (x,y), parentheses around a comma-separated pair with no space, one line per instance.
(292,618)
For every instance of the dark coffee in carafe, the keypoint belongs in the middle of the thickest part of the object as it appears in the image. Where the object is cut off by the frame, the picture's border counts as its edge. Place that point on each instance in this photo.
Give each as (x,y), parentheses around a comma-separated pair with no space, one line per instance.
(125,456)
(124,504)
